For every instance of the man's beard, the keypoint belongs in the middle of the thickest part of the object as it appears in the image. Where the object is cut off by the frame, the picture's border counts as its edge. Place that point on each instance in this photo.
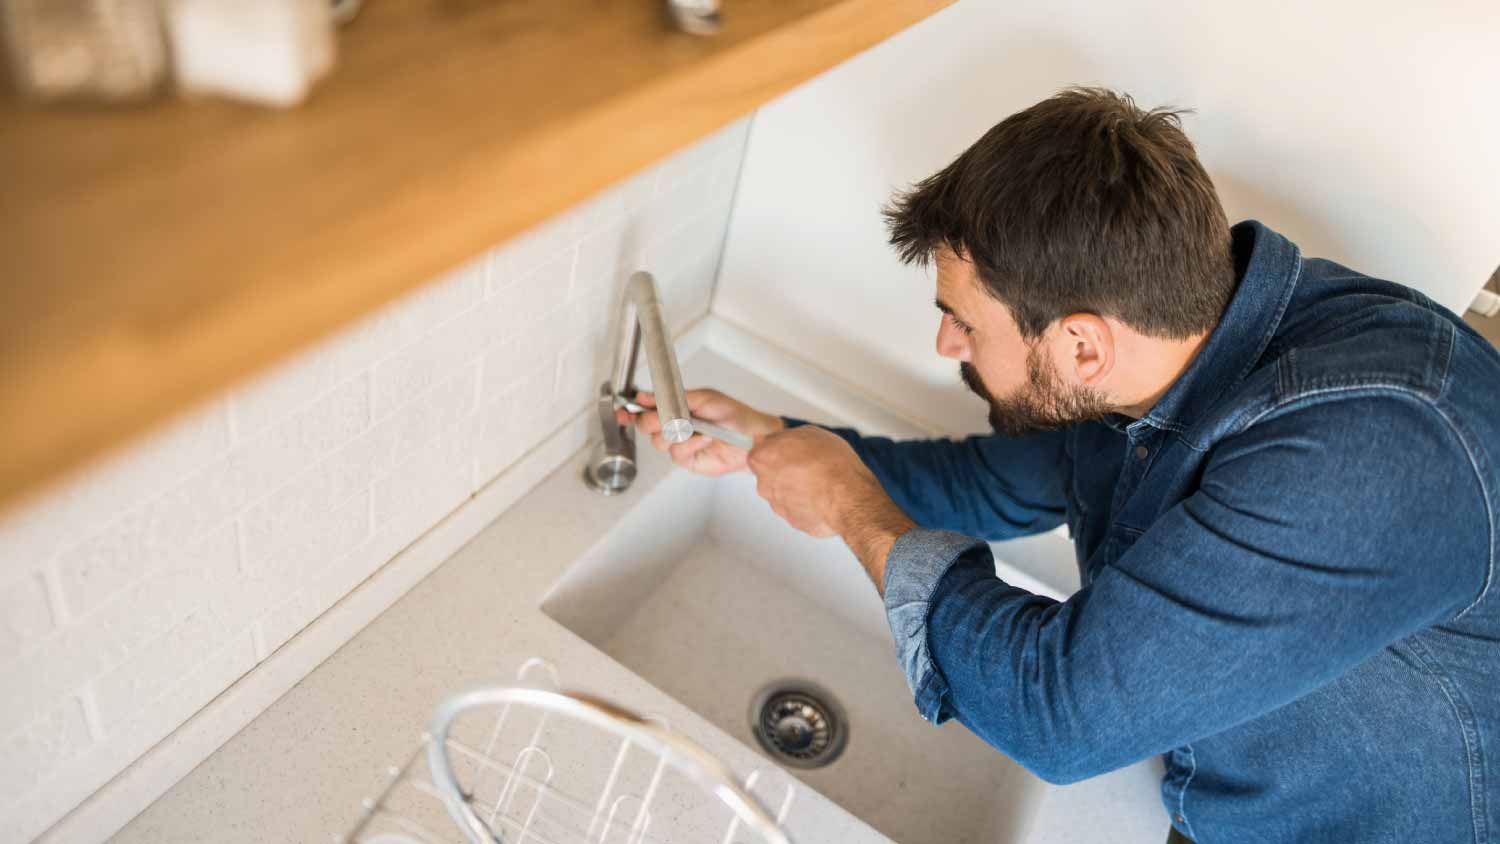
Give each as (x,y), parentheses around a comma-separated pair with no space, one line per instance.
(1043,403)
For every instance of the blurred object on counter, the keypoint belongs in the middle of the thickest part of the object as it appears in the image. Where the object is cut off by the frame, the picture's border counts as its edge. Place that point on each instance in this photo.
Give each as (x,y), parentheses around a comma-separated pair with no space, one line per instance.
(698,17)
(85,50)
(266,51)
(345,10)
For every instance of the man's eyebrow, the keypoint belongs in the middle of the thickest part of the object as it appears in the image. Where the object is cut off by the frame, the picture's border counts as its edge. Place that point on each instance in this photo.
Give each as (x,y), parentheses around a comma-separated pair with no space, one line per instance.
(943,306)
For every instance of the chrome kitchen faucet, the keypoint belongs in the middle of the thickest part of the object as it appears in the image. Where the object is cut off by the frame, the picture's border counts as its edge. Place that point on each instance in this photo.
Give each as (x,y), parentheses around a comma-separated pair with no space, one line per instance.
(611,468)
(641,322)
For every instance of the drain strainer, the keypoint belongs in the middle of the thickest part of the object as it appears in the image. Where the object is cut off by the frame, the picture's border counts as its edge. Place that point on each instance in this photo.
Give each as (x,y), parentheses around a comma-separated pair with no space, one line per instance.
(798,724)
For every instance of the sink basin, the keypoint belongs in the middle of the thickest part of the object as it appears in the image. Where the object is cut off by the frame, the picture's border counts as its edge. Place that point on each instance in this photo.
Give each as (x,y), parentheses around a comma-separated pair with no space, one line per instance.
(705,593)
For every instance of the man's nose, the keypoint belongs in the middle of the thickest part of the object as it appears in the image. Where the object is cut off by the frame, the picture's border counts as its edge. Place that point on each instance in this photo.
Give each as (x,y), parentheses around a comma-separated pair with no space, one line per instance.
(951,343)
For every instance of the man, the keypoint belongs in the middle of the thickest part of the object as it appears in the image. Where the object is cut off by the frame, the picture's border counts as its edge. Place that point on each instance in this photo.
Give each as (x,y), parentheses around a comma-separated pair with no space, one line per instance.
(1281,478)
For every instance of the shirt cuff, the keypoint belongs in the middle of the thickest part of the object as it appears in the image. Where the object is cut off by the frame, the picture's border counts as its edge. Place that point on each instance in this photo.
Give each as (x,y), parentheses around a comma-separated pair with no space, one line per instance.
(915,564)
(849,435)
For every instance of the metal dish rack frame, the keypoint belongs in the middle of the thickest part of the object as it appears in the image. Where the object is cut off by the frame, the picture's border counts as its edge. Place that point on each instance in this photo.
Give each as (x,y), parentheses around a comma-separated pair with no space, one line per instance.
(504,820)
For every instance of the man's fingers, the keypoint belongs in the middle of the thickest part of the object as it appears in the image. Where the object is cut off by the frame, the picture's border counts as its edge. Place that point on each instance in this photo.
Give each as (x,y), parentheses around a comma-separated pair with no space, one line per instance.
(645,399)
(759,459)
(685,450)
(753,458)
(686,461)
(648,422)
(699,399)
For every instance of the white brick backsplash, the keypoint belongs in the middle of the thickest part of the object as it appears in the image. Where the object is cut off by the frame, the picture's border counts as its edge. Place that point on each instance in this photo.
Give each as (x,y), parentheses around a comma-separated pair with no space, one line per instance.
(615,203)
(134,593)
(531,296)
(508,422)
(298,506)
(401,324)
(89,646)
(339,532)
(706,160)
(606,258)
(677,205)
(300,569)
(125,554)
(158,666)
(344,574)
(24,614)
(539,245)
(446,349)
(273,397)
(286,620)
(254,469)
(429,484)
(85,503)
(580,369)
(39,746)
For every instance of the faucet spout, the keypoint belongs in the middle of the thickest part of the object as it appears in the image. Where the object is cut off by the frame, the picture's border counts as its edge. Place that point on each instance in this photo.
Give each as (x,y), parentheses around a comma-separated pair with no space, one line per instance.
(642,323)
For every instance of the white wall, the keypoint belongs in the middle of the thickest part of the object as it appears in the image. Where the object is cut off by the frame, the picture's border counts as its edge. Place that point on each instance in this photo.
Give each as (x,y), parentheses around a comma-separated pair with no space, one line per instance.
(135,594)
(1366,131)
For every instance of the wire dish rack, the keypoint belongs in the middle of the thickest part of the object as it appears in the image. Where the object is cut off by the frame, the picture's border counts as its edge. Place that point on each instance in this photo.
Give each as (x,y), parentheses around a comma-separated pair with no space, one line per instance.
(531,763)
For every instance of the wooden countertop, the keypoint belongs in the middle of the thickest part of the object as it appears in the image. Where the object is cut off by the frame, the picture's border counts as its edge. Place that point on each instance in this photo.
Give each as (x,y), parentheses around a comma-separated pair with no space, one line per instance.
(153,256)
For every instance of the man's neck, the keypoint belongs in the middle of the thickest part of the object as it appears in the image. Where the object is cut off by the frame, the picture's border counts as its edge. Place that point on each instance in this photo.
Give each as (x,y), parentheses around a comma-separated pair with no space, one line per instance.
(1170,359)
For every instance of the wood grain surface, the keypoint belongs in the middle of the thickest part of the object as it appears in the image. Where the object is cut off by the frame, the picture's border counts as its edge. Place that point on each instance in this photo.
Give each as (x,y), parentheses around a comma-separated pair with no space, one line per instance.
(152,256)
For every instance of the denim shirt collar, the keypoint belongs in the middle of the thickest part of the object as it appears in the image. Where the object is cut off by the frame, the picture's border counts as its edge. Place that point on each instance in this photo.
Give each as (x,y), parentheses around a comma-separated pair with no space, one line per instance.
(1271,265)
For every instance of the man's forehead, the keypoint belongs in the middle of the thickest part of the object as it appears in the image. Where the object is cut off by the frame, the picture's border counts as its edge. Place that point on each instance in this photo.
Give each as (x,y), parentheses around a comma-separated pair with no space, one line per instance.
(954,275)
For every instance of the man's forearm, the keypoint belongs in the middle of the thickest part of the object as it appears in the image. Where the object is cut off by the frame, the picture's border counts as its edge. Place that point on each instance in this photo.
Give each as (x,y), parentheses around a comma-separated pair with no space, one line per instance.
(870,525)
(1014,485)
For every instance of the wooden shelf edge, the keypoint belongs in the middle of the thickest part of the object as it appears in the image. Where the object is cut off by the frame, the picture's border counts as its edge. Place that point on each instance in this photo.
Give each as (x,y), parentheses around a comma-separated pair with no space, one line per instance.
(71,399)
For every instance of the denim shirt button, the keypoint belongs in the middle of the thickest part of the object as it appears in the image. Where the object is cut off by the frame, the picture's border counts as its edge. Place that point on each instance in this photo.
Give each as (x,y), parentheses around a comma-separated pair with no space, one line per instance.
(1179,818)
(1141,452)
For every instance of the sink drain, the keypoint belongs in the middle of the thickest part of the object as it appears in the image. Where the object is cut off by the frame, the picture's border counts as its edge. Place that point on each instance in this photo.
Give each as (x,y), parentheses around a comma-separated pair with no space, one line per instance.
(799,724)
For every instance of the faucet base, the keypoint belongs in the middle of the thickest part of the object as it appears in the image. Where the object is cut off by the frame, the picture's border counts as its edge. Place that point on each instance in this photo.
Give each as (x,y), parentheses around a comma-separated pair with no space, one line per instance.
(608,474)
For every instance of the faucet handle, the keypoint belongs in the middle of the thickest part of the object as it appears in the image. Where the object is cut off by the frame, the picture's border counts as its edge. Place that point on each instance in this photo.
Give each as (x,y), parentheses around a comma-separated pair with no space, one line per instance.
(618,439)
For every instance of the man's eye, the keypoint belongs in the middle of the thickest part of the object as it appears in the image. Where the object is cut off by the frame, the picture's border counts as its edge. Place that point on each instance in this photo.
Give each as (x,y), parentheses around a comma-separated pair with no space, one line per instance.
(960,326)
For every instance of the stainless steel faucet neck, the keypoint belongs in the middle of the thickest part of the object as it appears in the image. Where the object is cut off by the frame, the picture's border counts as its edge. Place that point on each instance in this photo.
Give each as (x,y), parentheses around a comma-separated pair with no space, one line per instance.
(642,323)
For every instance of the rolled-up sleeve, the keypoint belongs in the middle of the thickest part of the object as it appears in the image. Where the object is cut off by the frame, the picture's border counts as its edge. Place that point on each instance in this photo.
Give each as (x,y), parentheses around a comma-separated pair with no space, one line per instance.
(1255,590)
(913,568)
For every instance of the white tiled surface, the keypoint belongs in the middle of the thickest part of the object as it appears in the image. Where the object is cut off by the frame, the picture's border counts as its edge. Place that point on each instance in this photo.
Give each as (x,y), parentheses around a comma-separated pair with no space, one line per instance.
(133,595)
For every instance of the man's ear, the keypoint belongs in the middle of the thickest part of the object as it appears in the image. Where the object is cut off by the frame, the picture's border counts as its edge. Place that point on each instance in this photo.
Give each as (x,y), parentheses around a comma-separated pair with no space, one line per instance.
(1088,348)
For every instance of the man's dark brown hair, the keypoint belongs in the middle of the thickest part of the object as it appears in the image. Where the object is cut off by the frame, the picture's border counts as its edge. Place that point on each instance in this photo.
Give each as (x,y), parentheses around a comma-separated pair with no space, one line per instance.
(1082,203)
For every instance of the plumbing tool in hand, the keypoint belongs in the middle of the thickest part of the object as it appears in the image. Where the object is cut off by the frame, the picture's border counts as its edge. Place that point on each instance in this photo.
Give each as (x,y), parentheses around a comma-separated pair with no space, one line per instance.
(707,429)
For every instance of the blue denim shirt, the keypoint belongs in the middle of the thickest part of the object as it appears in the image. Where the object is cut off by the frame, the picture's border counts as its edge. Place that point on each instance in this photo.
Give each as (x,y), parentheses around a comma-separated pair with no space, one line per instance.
(1286,568)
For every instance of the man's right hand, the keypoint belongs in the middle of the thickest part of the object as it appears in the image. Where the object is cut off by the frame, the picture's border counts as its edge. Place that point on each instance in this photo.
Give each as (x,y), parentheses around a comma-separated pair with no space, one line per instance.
(702,454)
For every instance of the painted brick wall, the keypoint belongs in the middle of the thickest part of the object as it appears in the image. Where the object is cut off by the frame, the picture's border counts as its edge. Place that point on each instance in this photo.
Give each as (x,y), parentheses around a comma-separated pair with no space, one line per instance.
(135,594)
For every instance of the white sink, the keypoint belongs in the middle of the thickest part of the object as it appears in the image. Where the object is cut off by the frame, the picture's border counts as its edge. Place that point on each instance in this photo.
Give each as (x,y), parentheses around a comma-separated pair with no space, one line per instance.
(706,594)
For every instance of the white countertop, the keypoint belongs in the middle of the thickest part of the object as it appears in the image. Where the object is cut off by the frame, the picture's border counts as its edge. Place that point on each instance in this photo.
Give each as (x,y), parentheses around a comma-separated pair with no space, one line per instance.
(299,771)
